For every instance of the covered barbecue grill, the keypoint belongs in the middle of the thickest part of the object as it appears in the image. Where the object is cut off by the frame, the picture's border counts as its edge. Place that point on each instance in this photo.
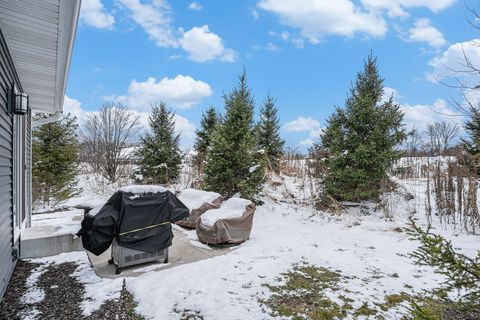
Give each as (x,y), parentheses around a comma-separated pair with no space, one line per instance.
(137,220)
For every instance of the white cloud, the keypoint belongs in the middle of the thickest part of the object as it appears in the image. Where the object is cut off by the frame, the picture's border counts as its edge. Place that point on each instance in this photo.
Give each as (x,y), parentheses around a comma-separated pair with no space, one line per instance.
(285,35)
(452,67)
(195,6)
(174,57)
(255,14)
(93,13)
(202,45)
(398,8)
(451,63)
(301,124)
(307,142)
(271,47)
(297,41)
(316,134)
(419,116)
(390,92)
(471,98)
(186,129)
(74,107)
(180,92)
(313,136)
(319,18)
(423,31)
(155,18)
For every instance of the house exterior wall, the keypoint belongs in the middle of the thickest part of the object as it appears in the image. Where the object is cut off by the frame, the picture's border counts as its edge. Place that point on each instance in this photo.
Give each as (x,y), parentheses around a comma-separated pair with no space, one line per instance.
(44,73)
(8,76)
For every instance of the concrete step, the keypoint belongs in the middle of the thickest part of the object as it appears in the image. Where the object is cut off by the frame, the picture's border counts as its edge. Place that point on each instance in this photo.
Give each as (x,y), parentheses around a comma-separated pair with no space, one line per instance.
(43,241)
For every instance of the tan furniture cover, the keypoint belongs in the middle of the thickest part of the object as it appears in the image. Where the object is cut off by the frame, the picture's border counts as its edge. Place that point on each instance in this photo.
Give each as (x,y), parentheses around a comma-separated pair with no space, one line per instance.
(195,213)
(227,231)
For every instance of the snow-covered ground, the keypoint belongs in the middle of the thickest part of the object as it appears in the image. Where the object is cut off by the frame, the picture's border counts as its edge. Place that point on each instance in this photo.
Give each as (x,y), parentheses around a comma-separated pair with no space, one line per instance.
(368,249)
(63,222)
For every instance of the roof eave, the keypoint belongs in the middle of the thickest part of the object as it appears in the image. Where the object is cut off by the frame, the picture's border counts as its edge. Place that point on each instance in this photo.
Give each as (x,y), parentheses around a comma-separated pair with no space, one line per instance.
(69,12)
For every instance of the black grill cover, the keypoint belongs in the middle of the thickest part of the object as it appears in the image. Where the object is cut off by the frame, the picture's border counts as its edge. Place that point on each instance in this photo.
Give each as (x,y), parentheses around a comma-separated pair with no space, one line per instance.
(138,221)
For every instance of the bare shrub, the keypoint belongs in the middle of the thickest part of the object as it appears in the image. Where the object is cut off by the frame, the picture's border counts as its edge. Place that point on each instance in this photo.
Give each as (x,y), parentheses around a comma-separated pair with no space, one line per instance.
(389,204)
(291,163)
(104,135)
(452,194)
(190,174)
(451,188)
(411,168)
(297,182)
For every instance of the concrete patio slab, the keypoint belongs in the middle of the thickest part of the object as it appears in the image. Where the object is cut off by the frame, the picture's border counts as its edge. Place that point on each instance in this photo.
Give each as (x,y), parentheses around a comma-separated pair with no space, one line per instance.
(182,251)
(53,233)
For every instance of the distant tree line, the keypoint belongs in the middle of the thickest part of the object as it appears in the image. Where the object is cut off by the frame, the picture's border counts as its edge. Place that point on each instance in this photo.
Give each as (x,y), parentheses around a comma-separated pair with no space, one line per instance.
(439,139)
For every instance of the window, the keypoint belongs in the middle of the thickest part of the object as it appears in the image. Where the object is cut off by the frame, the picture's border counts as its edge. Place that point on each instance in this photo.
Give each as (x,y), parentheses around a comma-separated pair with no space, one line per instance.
(19,177)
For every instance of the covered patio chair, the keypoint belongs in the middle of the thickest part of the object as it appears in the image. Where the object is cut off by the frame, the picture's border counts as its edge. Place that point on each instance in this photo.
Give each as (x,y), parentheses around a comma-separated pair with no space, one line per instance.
(198,202)
(230,224)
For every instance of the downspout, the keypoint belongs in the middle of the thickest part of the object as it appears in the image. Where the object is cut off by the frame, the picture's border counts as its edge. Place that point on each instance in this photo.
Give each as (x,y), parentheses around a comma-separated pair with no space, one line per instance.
(40,122)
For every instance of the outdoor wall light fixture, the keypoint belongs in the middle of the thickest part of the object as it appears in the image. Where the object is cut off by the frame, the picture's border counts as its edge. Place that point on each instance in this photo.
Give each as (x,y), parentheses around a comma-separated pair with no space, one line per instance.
(17,101)
(20,103)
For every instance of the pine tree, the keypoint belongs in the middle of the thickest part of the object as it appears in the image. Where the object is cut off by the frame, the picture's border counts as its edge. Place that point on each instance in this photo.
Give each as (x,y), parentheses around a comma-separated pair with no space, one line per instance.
(234,164)
(461,274)
(204,138)
(159,153)
(268,133)
(471,143)
(55,161)
(362,139)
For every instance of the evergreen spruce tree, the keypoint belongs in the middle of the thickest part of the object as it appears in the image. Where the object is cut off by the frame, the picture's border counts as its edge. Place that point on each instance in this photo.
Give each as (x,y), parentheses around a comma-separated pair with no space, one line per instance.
(268,133)
(471,143)
(459,294)
(204,138)
(55,161)
(362,139)
(159,153)
(234,164)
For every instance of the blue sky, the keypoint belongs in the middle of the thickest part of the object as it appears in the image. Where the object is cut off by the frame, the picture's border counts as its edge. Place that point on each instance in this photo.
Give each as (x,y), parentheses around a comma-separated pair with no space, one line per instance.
(305,53)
